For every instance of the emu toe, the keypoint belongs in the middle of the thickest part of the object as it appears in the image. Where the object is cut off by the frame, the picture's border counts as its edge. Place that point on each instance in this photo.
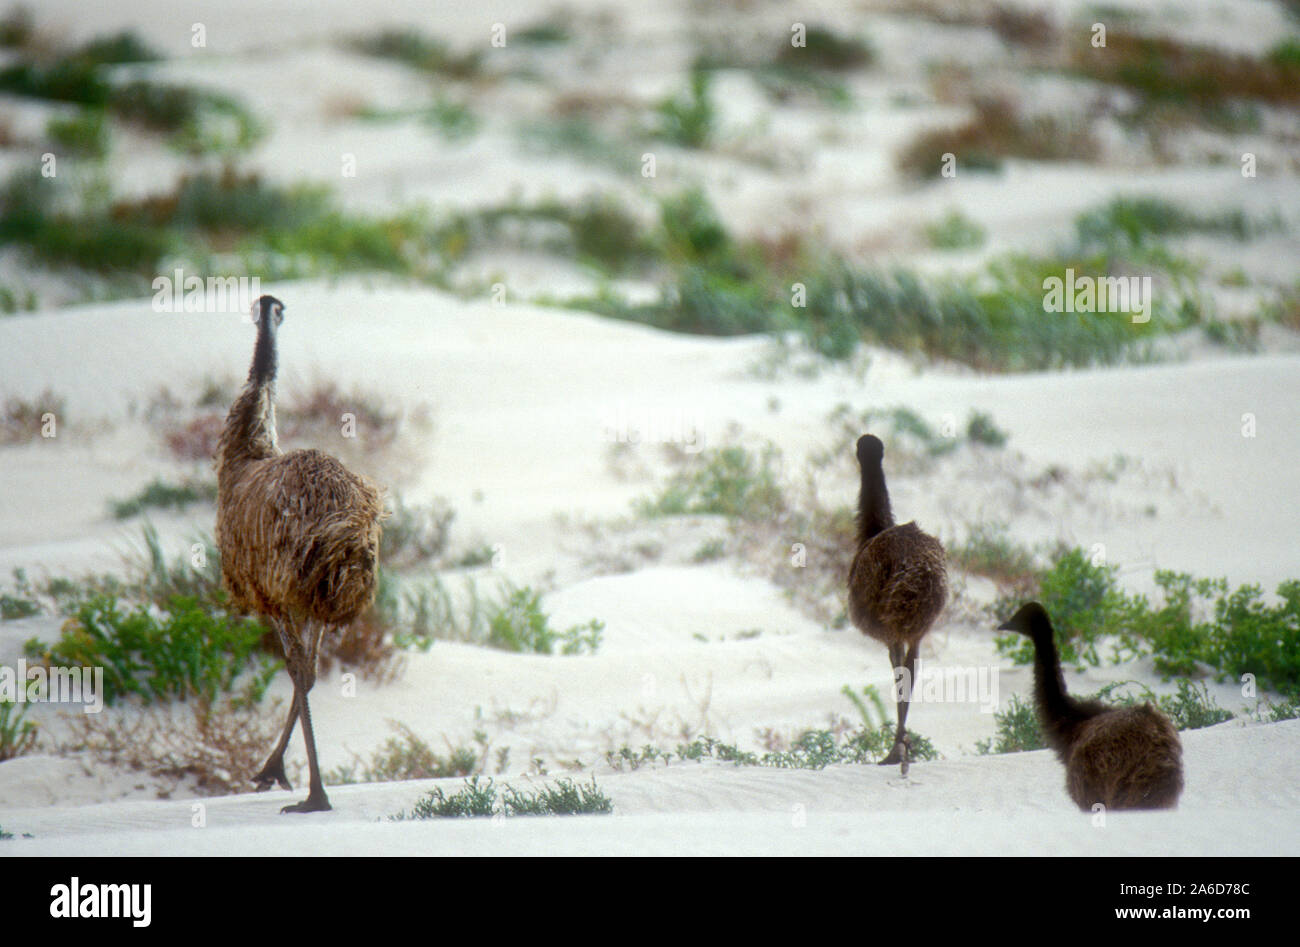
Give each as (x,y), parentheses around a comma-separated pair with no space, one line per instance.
(310,804)
(272,772)
(895,756)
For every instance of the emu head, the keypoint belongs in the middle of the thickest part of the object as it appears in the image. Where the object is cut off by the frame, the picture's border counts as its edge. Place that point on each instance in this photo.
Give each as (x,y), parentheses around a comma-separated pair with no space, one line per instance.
(268,311)
(870,450)
(1030,619)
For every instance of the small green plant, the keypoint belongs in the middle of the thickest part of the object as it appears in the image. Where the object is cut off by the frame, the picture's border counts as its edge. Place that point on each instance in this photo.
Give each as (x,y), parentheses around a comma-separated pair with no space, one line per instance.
(86,133)
(480,799)
(981,429)
(17,606)
(988,550)
(519,624)
(1017,729)
(408,756)
(710,551)
(420,52)
(825,49)
(956,231)
(17,735)
(1086,605)
(727,481)
(1132,221)
(688,119)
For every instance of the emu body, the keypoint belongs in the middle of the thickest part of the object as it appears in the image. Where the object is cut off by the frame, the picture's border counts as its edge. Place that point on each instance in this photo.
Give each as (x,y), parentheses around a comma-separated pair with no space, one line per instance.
(1120,757)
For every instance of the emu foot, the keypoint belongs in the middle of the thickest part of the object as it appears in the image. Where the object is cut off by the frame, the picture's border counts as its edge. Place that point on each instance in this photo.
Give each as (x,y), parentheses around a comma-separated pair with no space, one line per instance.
(272,772)
(907,756)
(896,755)
(315,802)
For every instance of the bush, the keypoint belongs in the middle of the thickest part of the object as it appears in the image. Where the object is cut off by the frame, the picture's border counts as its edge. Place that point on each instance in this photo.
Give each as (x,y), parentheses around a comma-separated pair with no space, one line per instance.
(1017,729)
(726,481)
(519,624)
(1086,605)
(184,651)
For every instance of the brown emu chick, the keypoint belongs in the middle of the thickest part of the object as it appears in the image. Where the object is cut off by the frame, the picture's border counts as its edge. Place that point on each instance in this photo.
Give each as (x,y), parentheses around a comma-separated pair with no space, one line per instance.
(898,583)
(299,540)
(1121,757)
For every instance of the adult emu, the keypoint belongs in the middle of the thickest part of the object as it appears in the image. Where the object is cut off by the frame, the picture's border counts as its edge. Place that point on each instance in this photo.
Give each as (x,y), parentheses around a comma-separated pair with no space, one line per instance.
(898,583)
(299,540)
(1121,757)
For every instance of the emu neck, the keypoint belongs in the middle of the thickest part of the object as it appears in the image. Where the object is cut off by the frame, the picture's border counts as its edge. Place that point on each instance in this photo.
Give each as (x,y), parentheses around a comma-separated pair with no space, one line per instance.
(1059,713)
(250,432)
(874,512)
(262,371)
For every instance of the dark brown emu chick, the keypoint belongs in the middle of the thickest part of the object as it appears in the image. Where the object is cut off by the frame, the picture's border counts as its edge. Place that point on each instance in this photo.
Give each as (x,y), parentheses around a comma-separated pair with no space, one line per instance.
(898,583)
(299,540)
(1121,757)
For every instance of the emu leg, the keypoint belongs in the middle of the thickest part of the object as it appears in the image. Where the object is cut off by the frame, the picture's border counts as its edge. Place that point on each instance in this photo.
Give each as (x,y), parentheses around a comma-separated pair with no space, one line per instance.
(896,755)
(273,771)
(316,800)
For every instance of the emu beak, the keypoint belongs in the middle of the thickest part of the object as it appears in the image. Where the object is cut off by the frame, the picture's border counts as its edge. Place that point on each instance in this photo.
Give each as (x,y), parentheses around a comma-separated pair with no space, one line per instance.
(1006,626)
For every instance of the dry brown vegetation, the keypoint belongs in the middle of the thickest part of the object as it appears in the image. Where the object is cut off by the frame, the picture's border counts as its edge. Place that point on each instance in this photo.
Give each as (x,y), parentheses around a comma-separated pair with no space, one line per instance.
(21,419)
(213,747)
(1164,69)
(999,129)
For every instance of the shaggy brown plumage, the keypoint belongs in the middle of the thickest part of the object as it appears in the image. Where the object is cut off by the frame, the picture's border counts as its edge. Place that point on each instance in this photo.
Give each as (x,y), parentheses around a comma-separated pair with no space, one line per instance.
(299,539)
(1121,757)
(898,583)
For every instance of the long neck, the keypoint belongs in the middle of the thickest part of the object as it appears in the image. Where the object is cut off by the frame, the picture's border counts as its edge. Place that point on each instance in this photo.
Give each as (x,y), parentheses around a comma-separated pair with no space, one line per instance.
(1059,713)
(874,512)
(262,371)
(250,432)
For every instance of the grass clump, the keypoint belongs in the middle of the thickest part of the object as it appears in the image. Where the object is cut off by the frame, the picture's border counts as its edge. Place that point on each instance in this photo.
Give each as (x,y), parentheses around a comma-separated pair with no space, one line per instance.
(688,119)
(513,620)
(519,624)
(85,133)
(956,231)
(420,52)
(17,735)
(1131,221)
(480,799)
(408,756)
(726,481)
(159,494)
(988,550)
